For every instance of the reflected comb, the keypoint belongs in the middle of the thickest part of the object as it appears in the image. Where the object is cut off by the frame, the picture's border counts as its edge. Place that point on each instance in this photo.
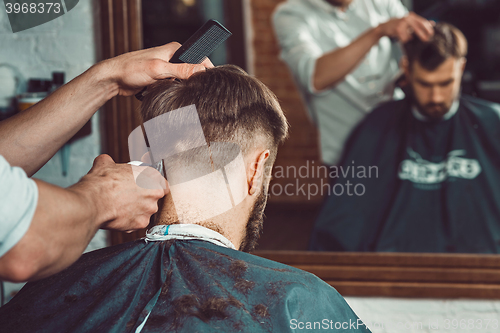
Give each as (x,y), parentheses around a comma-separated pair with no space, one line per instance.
(199,46)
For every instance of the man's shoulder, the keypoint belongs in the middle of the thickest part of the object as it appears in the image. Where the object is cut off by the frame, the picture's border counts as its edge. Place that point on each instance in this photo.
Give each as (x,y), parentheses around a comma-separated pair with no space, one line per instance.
(268,272)
(266,269)
(480,105)
(387,112)
(391,106)
(254,290)
(260,268)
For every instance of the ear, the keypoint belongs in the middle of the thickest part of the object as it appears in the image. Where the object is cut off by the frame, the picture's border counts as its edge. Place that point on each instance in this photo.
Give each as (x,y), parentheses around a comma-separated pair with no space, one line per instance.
(255,172)
(464,63)
(405,66)
(146,158)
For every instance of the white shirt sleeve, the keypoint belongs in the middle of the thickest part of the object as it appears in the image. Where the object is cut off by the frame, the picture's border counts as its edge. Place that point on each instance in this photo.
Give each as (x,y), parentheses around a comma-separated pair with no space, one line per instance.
(18,200)
(395,8)
(299,49)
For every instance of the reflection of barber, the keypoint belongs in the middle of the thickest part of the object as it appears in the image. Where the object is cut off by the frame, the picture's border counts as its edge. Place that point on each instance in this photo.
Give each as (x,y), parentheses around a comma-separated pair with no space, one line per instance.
(341,62)
(44,228)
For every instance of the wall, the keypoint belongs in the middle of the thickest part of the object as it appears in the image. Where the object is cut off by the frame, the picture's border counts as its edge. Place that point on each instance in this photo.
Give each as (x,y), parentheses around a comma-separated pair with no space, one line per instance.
(64,44)
(302,145)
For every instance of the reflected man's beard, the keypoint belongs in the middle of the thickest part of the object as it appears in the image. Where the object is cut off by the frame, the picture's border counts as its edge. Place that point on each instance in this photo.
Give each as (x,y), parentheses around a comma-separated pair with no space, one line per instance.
(433,111)
(255,223)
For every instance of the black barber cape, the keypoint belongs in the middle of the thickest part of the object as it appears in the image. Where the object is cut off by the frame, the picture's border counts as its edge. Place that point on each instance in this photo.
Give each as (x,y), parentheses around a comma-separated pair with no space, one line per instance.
(184,286)
(432,187)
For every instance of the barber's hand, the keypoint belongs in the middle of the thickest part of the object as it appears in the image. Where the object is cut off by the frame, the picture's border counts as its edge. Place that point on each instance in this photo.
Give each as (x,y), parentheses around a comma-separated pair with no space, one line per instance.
(120,204)
(135,70)
(403,28)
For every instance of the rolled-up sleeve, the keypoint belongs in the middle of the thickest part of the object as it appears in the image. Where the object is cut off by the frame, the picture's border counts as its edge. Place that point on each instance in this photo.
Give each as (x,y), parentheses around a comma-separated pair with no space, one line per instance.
(395,8)
(299,50)
(18,200)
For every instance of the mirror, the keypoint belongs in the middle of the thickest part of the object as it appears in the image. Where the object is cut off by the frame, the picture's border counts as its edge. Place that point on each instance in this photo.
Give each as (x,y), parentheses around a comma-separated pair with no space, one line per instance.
(399,186)
(290,218)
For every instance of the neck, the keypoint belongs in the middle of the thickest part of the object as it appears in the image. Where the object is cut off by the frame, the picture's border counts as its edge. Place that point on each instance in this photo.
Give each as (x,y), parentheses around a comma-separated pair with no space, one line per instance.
(230,224)
(186,232)
(422,117)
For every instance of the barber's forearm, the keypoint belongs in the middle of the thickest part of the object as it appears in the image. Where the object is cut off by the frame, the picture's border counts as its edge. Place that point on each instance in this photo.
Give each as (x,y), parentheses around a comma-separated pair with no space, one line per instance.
(65,220)
(333,67)
(63,225)
(30,138)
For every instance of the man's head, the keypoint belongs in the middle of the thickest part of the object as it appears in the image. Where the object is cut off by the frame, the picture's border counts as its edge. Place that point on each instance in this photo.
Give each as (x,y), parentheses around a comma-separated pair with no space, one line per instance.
(434,70)
(232,107)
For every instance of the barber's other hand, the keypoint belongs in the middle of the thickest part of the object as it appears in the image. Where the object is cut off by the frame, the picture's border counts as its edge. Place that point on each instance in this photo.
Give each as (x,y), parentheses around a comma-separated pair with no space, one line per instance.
(403,28)
(120,204)
(130,72)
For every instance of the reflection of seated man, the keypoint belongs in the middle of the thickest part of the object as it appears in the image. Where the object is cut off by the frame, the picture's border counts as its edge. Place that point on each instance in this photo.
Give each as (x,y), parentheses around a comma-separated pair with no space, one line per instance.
(429,166)
(189,277)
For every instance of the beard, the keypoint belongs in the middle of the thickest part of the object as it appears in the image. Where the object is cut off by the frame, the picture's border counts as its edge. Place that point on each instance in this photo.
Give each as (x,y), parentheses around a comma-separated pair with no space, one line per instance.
(433,111)
(255,223)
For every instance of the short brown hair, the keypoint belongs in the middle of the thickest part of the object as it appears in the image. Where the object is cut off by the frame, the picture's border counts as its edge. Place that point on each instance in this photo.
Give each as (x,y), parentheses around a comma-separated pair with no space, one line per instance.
(232,105)
(448,41)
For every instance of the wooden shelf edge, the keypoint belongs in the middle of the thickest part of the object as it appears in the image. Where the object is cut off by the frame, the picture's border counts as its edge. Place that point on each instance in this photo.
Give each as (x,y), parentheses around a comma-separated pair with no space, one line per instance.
(416,290)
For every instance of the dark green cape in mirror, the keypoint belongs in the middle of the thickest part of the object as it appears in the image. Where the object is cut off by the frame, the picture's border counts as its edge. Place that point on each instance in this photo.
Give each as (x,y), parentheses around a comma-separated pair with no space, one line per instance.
(435,188)
(179,286)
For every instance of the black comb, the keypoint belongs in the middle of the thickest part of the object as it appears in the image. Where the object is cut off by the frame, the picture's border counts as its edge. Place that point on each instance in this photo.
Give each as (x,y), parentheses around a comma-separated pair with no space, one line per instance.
(198,46)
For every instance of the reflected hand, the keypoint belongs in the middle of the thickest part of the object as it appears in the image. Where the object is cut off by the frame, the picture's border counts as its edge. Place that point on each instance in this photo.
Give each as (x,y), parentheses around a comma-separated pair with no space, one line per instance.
(404,28)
